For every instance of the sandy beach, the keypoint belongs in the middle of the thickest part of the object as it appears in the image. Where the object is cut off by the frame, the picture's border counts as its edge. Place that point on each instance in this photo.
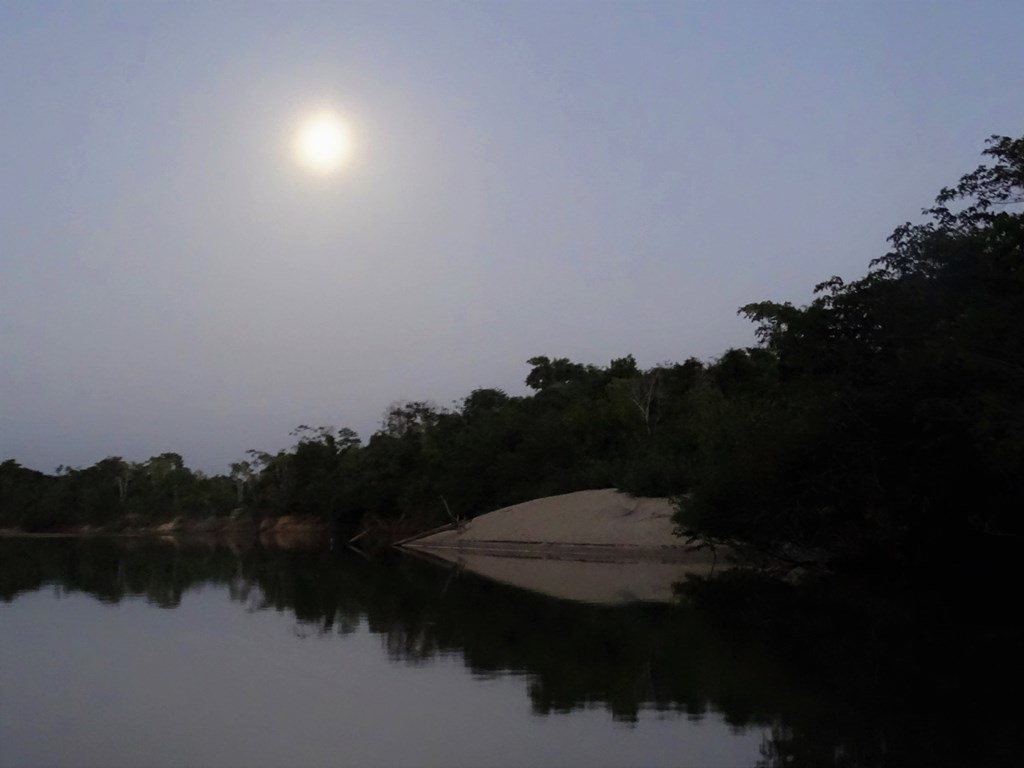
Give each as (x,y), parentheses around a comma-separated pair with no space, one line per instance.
(600,546)
(593,520)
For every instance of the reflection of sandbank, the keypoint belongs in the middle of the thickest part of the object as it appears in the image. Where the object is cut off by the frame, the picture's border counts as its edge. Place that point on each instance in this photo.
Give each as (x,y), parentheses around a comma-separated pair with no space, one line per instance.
(596,546)
(590,581)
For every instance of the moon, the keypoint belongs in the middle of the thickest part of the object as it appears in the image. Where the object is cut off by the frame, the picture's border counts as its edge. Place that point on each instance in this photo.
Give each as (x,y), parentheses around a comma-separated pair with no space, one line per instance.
(323,143)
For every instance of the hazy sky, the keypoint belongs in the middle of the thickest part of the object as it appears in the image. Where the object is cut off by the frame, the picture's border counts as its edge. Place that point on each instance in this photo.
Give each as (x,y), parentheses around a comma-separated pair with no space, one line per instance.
(577,179)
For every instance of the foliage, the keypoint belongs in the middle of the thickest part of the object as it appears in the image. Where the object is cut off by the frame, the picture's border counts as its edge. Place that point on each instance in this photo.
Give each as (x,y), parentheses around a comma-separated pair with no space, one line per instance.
(889,416)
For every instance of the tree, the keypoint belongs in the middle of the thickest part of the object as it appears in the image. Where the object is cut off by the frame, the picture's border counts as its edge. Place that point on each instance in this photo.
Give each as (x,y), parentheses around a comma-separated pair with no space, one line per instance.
(406,418)
(548,373)
(883,406)
(480,402)
(242,475)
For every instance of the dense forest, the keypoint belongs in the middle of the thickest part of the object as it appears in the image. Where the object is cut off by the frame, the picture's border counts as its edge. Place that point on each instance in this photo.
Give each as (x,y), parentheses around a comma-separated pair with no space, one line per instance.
(883,420)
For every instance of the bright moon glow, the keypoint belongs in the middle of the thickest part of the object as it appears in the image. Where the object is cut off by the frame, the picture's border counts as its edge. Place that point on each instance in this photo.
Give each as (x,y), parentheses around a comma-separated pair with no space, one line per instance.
(323,144)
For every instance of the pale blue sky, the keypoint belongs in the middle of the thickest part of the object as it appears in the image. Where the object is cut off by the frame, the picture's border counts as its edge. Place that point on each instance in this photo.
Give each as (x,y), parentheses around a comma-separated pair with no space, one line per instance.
(577,179)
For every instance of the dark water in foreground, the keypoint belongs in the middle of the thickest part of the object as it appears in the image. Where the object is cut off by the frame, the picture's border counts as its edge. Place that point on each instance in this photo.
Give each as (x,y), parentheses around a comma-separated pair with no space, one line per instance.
(156,653)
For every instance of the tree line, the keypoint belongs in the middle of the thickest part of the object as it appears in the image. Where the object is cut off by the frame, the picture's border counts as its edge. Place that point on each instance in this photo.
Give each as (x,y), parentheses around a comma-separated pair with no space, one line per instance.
(881,420)
(582,427)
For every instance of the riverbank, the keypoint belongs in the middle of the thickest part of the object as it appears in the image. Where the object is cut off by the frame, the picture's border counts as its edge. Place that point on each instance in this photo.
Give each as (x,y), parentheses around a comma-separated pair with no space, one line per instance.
(603,525)
(238,525)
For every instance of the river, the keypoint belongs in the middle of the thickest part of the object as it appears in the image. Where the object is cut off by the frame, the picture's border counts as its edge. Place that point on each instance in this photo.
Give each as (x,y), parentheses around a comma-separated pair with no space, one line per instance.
(170,653)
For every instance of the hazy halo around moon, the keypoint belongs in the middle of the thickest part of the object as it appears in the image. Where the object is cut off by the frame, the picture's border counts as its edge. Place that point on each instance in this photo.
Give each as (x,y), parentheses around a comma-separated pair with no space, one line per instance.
(323,142)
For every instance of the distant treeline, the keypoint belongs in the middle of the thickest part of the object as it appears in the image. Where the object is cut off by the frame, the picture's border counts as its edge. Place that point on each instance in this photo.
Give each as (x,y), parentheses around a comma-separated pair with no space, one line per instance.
(883,419)
(583,427)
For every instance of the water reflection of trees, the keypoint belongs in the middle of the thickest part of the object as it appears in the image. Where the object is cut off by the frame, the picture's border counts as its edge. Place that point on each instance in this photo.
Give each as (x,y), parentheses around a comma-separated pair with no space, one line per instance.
(839,683)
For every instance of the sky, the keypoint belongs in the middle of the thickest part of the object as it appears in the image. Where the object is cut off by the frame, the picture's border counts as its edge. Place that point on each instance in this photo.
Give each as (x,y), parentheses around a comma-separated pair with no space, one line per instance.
(572,179)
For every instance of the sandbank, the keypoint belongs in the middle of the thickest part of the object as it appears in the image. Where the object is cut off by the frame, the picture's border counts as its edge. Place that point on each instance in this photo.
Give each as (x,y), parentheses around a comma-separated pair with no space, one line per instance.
(600,546)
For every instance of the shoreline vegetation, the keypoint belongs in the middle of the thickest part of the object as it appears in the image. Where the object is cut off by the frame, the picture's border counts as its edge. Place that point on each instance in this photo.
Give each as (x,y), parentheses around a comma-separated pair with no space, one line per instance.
(879,427)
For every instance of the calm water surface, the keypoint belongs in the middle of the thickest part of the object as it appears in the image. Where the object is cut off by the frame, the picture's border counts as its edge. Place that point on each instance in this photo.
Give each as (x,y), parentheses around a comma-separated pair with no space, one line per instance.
(156,653)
